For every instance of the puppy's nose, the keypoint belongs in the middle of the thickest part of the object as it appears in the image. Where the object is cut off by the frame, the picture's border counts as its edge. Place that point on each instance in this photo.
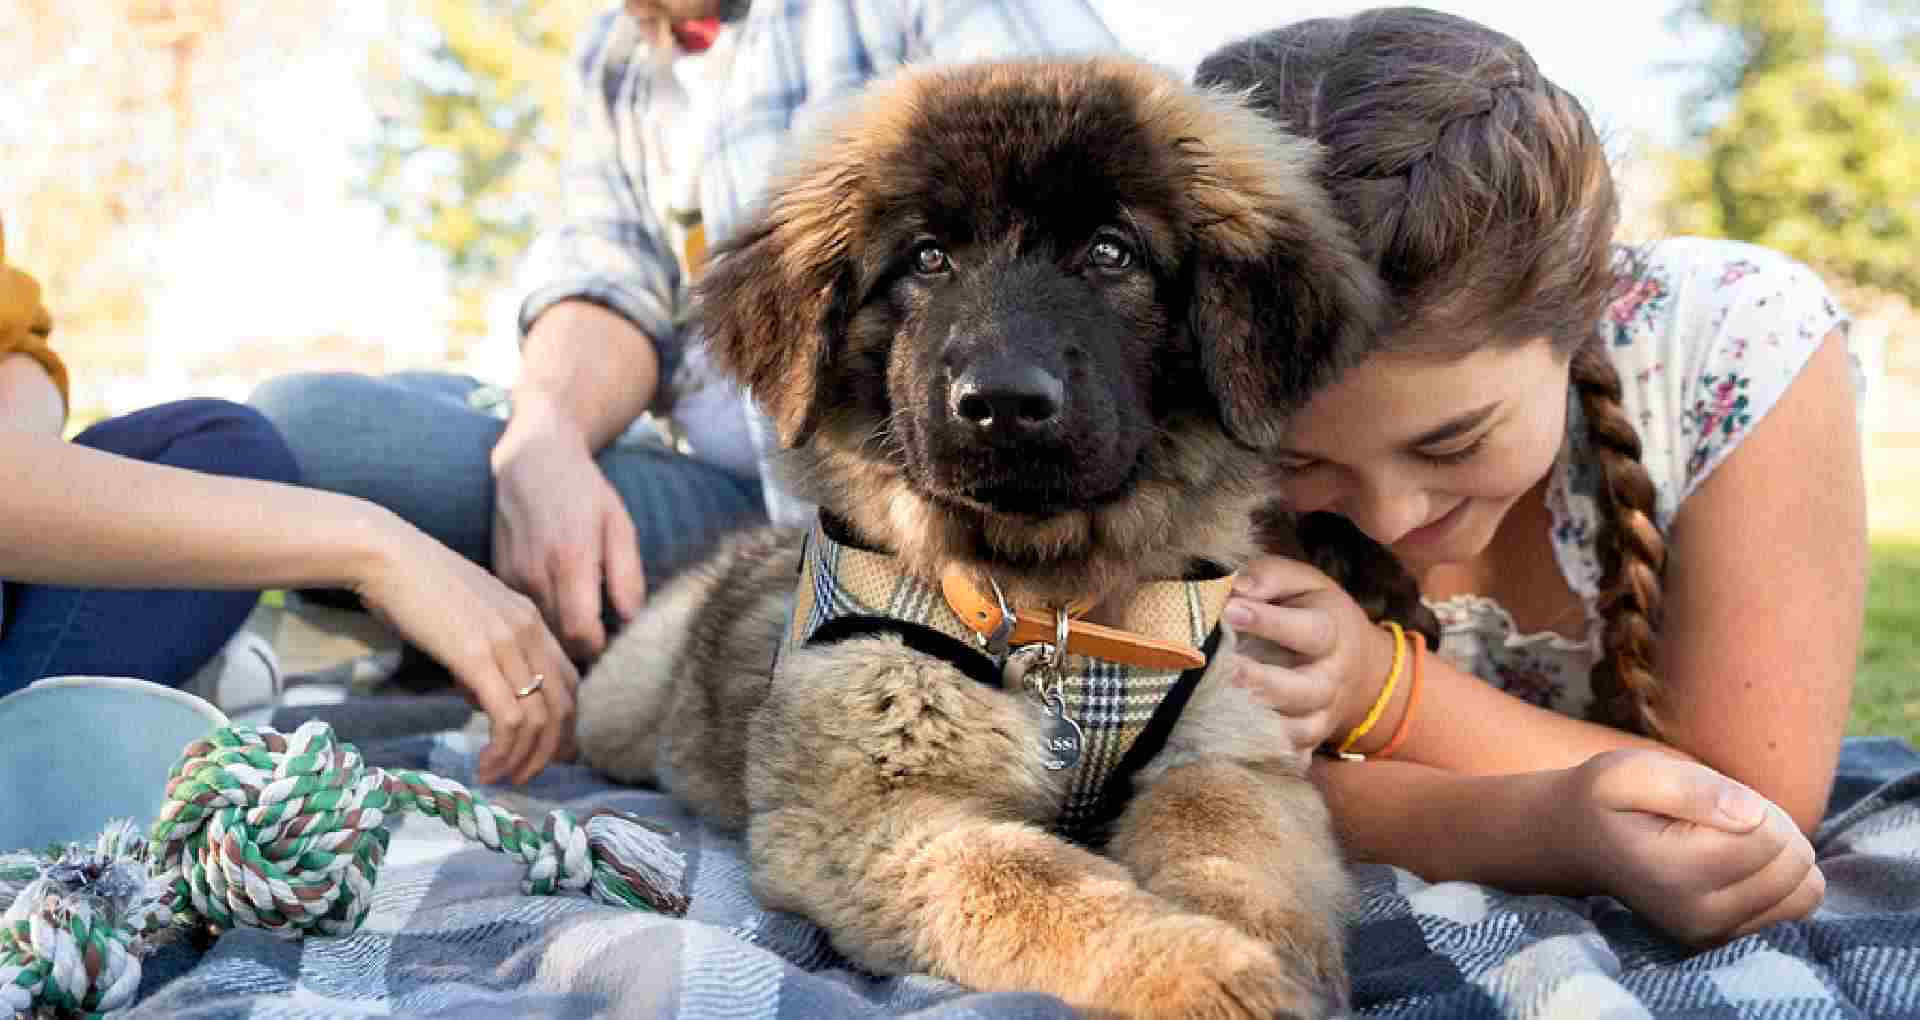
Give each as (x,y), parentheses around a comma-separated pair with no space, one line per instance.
(1006,395)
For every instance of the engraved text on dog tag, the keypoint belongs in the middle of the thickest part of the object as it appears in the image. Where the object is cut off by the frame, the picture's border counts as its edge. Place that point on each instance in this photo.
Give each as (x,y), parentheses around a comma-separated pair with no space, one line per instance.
(1062,735)
(1037,667)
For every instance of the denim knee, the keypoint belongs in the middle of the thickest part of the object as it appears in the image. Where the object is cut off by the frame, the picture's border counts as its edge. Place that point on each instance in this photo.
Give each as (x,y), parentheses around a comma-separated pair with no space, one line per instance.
(269,457)
(311,409)
(201,433)
(305,400)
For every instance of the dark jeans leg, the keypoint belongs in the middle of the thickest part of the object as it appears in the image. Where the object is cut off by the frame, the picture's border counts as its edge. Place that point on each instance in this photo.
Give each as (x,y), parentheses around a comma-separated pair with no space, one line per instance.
(160,635)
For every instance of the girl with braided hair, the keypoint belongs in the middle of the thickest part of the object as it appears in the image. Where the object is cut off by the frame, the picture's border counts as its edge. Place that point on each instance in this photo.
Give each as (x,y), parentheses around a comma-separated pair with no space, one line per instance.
(1626,479)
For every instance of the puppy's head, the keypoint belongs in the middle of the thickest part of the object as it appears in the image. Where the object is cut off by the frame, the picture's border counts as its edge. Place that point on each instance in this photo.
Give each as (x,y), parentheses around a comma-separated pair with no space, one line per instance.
(1040,316)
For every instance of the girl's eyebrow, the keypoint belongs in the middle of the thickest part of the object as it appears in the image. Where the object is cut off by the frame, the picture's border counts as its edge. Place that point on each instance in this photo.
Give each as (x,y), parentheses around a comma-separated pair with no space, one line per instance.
(1459,425)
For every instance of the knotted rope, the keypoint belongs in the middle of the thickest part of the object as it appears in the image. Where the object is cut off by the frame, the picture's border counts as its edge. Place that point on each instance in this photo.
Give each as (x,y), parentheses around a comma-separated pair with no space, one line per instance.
(262,829)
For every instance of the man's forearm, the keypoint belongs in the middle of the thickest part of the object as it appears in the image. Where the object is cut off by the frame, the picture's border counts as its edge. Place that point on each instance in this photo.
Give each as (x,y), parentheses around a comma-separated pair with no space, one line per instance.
(589,367)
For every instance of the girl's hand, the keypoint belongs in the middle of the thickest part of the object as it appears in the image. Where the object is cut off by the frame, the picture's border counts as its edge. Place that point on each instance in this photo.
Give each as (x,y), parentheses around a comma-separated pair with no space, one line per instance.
(1703,857)
(1309,650)
(489,636)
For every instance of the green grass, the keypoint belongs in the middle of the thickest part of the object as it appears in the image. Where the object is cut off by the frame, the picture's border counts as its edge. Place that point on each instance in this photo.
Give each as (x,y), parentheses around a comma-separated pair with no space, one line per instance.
(1886,690)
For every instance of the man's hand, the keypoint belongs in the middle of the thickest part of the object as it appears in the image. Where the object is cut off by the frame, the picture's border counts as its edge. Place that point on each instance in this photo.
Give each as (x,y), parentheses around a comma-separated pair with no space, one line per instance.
(560,530)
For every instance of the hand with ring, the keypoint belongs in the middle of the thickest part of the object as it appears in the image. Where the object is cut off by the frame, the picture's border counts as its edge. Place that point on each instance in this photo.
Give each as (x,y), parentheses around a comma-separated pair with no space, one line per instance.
(490,637)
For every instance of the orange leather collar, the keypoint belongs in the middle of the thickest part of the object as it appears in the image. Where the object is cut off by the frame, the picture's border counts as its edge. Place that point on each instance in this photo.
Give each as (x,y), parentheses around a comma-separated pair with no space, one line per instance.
(983,613)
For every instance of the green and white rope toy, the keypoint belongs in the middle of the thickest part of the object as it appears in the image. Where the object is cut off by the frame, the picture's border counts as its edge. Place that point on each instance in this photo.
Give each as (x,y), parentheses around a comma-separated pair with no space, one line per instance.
(262,829)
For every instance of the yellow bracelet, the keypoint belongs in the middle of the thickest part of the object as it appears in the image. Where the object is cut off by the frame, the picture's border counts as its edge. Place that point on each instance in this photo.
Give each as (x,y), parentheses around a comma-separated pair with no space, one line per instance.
(1386,695)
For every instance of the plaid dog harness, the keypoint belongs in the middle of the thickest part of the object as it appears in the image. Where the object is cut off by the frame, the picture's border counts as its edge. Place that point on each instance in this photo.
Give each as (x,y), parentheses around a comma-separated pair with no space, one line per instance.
(1116,716)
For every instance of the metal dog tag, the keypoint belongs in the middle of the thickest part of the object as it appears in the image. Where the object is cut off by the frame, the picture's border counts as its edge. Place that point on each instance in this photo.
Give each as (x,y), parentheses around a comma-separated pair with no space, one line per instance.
(1038,667)
(1032,666)
(1063,736)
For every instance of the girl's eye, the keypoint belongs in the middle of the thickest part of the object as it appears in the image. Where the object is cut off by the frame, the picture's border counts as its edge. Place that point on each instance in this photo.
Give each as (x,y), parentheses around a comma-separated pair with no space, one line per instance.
(1293,467)
(1459,456)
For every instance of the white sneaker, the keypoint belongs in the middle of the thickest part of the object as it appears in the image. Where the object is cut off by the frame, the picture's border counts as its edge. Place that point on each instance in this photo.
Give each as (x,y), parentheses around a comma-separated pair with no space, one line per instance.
(243,680)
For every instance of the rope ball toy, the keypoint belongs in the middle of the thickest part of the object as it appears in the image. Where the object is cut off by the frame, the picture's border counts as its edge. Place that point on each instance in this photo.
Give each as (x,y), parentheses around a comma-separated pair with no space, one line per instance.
(261,829)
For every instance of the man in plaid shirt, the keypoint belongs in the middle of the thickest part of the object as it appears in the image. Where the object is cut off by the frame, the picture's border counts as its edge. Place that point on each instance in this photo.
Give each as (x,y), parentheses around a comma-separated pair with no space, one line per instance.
(681,113)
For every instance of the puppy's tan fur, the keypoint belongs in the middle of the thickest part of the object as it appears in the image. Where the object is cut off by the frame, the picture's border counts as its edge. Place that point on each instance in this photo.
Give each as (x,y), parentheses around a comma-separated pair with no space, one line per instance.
(898,803)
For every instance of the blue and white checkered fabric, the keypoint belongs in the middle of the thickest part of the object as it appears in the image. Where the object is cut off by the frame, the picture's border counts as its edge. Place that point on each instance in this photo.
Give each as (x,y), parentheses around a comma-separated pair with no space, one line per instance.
(451,935)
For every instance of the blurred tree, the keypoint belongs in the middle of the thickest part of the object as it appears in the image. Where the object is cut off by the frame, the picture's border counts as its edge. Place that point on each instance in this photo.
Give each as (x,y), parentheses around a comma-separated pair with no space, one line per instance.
(473,120)
(1806,139)
(116,115)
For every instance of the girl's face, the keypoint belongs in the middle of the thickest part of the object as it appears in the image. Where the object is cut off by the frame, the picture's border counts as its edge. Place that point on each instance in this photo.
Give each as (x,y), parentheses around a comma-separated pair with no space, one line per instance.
(1427,454)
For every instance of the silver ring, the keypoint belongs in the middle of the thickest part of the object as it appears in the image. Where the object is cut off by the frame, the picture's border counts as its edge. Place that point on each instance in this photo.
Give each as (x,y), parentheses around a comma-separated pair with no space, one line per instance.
(533,686)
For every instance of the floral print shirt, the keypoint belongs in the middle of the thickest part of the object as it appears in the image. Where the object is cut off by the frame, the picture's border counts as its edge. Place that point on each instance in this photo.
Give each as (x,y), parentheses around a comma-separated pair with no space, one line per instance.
(1707,336)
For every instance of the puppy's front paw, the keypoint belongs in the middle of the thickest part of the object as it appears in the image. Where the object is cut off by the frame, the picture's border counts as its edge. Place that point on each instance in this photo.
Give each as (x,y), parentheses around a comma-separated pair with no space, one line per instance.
(1306,931)
(617,730)
(1199,968)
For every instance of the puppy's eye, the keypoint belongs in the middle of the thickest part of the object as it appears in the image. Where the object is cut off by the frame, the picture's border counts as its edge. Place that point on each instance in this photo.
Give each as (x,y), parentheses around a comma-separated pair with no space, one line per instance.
(1108,253)
(930,260)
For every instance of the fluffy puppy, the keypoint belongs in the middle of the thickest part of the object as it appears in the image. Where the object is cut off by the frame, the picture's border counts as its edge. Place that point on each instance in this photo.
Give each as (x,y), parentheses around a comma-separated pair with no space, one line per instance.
(1030,325)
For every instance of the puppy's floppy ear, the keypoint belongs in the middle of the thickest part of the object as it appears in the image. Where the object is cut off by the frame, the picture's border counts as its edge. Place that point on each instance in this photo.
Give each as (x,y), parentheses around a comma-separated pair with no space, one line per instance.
(780,290)
(1282,300)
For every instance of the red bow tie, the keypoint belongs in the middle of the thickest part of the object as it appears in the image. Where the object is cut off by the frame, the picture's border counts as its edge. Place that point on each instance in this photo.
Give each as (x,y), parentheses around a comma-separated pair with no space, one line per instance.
(695,35)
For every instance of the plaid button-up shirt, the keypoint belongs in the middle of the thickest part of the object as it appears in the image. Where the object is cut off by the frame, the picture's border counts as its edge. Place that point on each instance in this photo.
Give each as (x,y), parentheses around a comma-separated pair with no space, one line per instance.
(792,59)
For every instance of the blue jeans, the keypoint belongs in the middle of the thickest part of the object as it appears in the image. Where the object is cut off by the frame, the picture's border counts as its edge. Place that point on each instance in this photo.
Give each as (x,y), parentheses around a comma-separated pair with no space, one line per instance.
(413,443)
(161,635)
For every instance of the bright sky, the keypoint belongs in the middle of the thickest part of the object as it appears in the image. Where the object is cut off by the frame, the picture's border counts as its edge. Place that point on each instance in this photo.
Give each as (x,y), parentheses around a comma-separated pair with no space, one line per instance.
(329,264)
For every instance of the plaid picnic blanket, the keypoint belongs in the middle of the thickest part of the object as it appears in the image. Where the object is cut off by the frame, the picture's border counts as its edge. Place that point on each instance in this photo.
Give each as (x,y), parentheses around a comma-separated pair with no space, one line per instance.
(450,935)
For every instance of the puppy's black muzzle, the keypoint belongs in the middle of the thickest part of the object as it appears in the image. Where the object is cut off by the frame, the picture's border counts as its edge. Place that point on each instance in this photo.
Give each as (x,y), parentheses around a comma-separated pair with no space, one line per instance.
(1026,414)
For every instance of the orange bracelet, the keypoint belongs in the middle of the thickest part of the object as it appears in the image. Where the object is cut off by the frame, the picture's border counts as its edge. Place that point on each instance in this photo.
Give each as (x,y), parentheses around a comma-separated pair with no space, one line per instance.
(1413,699)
